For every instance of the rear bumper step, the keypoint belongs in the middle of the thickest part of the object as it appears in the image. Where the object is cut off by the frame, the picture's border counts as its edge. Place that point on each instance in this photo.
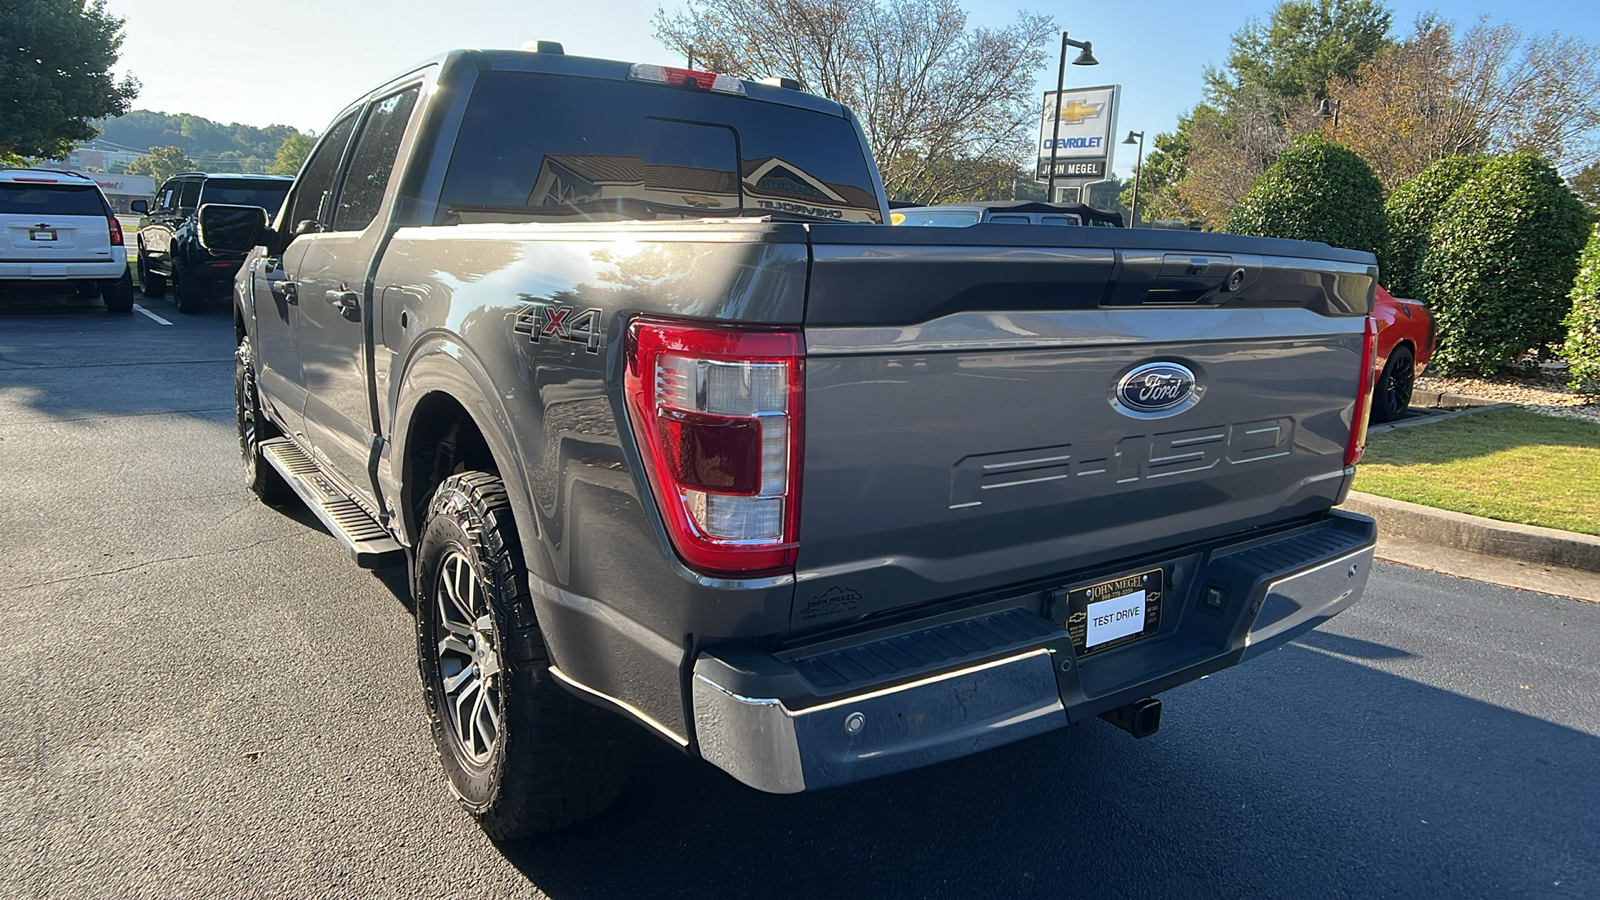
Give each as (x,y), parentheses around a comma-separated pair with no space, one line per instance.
(367,542)
(804,721)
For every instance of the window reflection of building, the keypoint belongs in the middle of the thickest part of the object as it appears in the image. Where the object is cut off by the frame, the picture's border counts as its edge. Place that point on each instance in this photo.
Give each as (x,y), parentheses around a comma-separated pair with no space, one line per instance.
(775,184)
(627,186)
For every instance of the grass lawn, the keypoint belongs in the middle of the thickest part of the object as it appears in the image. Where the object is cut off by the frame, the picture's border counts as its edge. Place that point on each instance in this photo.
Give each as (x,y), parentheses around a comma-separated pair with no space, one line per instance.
(1509,464)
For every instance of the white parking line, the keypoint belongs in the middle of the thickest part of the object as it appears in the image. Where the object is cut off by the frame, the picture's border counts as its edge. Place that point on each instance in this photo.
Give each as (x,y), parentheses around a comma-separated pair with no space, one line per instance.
(159,321)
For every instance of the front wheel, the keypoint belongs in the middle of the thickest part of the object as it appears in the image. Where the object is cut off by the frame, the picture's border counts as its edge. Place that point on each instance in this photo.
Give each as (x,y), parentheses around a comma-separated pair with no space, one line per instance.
(254,427)
(150,284)
(1395,385)
(521,754)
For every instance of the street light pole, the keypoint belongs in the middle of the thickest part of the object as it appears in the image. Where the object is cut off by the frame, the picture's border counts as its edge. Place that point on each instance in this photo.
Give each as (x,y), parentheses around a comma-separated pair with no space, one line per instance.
(1086,58)
(1138,176)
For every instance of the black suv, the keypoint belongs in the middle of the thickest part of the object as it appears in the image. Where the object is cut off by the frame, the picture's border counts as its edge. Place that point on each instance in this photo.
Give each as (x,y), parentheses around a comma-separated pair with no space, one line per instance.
(168,248)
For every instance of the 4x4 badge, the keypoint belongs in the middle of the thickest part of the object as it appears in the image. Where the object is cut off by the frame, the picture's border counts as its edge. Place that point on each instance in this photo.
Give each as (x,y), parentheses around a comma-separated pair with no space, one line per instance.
(542,320)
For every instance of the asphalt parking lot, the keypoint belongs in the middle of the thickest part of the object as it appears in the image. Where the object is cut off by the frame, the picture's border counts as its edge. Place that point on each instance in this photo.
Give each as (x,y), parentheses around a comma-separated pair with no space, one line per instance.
(205,698)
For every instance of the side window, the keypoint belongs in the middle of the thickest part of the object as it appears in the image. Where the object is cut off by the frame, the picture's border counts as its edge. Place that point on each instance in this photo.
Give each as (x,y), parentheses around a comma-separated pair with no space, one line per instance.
(167,199)
(1008,220)
(316,176)
(189,197)
(372,162)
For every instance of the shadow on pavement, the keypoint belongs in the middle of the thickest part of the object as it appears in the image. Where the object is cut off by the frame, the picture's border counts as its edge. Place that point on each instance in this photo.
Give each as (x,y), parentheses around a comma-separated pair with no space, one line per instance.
(1431,794)
(65,358)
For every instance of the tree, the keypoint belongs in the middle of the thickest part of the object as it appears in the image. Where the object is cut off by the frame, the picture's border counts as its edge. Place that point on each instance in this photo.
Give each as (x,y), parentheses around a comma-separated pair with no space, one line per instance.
(945,108)
(1316,191)
(161,163)
(1500,265)
(200,138)
(292,154)
(1255,105)
(1586,184)
(55,62)
(1439,94)
(1412,209)
(1582,349)
(1303,45)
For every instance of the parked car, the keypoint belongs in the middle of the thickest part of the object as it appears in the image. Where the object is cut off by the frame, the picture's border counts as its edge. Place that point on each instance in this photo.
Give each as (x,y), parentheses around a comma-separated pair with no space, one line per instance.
(1004,212)
(671,430)
(168,250)
(1406,338)
(58,231)
(1405,328)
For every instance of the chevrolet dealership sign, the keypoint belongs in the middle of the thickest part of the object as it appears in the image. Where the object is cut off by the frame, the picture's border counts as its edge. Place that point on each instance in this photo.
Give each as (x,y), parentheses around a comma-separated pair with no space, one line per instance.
(1083,142)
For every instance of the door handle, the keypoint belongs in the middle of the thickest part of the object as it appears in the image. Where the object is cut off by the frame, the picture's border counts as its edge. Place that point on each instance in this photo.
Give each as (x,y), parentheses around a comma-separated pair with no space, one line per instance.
(348,303)
(344,299)
(285,290)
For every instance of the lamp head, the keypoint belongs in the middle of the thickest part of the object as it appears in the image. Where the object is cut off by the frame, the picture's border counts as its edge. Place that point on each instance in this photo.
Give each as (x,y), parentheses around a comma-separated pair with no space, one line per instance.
(1324,110)
(1132,135)
(1086,58)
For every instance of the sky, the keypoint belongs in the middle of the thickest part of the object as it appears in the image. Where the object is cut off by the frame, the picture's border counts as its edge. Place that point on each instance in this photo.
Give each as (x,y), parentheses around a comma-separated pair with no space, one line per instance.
(298,62)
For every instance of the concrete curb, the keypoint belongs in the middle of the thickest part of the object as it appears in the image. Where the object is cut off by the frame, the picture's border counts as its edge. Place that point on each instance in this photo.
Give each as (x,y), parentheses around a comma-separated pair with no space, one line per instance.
(1450,413)
(1525,543)
(1441,400)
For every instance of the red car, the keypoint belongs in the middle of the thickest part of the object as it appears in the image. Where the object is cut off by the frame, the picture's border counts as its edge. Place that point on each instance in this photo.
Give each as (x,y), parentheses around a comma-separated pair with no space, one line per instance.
(1405,342)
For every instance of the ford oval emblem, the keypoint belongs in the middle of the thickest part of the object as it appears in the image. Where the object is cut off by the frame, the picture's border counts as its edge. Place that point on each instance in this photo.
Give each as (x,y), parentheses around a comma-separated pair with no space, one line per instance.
(1156,390)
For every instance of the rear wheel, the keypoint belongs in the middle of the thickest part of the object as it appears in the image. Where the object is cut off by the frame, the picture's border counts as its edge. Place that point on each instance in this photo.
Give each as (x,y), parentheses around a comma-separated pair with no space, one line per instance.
(187,290)
(118,295)
(1395,385)
(521,754)
(254,427)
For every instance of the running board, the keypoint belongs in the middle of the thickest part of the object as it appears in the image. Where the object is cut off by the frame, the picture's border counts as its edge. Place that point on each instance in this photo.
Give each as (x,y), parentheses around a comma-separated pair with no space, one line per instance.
(367,542)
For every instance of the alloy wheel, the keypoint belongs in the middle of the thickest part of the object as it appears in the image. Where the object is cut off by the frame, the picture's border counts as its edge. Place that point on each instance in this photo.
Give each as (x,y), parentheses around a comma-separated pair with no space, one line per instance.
(469,663)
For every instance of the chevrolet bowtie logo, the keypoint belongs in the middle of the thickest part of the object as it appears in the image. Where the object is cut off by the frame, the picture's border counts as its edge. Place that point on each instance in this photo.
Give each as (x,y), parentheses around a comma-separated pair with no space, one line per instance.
(1076,111)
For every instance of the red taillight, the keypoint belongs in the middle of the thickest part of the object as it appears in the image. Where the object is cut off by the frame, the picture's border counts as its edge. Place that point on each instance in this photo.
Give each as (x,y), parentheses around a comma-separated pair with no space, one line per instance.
(1369,363)
(717,414)
(116,231)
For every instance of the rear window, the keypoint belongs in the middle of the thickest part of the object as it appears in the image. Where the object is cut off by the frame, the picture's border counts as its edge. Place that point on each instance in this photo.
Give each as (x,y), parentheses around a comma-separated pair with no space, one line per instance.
(51,200)
(537,147)
(940,218)
(266,194)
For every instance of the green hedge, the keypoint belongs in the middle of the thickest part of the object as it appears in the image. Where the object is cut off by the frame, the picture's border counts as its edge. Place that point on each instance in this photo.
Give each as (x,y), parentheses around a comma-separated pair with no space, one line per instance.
(1500,265)
(1316,191)
(1411,210)
(1582,349)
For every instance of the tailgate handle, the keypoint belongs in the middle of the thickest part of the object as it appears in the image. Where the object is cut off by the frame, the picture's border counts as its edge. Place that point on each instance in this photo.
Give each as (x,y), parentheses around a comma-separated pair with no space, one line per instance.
(1190,277)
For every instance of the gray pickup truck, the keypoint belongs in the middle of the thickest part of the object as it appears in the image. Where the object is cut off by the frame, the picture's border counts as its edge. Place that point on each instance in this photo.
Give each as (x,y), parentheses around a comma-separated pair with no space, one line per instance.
(677,436)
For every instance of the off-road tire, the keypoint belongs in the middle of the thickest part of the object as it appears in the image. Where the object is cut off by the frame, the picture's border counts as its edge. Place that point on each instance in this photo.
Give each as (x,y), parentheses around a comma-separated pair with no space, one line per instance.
(150,284)
(556,760)
(1396,382)
(118,295)
(188,292)
(254,427)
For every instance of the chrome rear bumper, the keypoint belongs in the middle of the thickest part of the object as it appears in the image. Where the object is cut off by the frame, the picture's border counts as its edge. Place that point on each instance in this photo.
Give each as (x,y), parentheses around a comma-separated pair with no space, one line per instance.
(752,721)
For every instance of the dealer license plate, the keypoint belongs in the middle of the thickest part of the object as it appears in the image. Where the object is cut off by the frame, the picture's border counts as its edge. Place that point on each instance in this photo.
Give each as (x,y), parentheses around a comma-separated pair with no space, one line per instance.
(1115,612)
(41,234)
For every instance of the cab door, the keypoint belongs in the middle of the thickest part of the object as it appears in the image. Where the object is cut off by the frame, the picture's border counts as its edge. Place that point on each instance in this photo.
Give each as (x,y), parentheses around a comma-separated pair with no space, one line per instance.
(275,296)
(333,275)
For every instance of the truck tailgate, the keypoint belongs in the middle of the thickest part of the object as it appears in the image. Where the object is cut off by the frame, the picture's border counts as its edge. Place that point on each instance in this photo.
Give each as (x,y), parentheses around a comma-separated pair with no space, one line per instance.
(964,428)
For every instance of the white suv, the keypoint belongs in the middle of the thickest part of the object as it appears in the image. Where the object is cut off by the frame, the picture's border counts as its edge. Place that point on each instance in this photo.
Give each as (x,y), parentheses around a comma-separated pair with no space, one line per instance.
(57,230)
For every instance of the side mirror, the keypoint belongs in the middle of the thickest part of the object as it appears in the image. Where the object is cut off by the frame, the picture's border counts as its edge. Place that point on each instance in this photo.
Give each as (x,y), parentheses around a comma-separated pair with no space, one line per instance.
(142,207)
(227,228)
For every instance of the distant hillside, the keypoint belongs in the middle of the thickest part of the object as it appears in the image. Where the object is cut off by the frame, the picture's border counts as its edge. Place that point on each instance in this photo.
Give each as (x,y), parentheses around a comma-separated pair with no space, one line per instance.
(213,146)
